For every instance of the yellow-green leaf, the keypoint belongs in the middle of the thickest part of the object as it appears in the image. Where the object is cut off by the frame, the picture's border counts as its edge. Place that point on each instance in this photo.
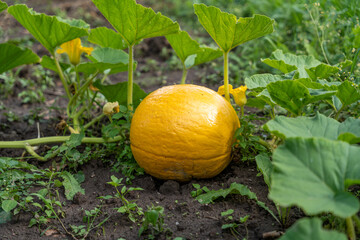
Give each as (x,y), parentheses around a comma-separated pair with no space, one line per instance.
(12,56)
(185,47)
(48,30)
(135,22)
(228,31)
(107,38)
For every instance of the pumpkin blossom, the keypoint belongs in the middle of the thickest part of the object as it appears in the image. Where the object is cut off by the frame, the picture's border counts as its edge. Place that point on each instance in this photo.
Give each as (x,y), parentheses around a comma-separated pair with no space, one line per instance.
(111,108)
(74,50)
(239,95)
(221,89)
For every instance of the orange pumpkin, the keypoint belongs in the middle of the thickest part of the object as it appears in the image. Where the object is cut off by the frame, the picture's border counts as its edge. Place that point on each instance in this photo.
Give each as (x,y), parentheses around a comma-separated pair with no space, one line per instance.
(182,132)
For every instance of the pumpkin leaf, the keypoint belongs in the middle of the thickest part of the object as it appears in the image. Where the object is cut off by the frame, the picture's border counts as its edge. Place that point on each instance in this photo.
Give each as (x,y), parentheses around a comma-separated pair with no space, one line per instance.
(260,81)
(107,38)
(118,92)
(311,228)
(135,22)
(12,56)
(347,93)
(289,62)
(288,94)
(106,59)
(228,31)
(308,127)
(293,96)
(322,71)
(71,185)
(189,51)
(48,30)
(264,164)
(3,6)
(314,174)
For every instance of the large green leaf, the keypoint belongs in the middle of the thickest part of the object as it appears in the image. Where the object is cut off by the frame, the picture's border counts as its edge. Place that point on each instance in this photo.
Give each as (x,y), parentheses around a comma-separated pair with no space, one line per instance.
(311,228)
(260,81)
(48,30)
(317,126)
(347,93)
(135,22)
(12,56)
(293,96)
(184,47)
(3,6)
(289,94)
(118,92)
(314,174)
(71,185)
(322,71)
(228,31)
(107,38)
(289,62)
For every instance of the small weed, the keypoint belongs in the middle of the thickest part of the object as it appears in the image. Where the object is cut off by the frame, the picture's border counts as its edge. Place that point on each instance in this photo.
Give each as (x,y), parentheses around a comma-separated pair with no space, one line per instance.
(248,143)
(153,221)
(132,210)
(233,225)
(199,190)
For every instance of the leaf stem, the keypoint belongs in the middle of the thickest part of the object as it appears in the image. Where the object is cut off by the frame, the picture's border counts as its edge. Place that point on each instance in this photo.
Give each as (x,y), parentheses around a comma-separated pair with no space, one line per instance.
(93,121)
(357,222)
(55,139)
(350,228)
(31,151)
(338,113)
(184,74)
(226,75)
(130,79)
(61,75)
(83,87)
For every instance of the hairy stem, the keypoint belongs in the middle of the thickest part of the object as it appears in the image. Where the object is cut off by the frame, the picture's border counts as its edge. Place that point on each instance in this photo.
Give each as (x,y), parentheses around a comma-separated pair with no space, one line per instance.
(350,228)
(80,91)
(184,74)
(62,78)
(93,121)
(226,76)
(130,79)
(56,139)
(357,223)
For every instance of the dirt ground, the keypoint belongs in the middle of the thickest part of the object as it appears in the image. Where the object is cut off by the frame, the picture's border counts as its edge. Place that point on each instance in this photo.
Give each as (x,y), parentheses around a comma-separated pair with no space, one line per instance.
(184,216)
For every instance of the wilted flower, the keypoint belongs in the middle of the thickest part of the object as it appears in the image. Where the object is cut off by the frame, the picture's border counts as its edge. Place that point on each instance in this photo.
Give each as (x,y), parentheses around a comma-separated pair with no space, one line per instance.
(111,108)
(74,49)
(221,89)
(239,95)
(92,88)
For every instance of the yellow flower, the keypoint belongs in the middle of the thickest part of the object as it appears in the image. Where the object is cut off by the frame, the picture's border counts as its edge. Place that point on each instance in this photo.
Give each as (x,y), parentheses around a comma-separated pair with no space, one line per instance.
(221,89)
(239,95)
(111,108)
(74,49)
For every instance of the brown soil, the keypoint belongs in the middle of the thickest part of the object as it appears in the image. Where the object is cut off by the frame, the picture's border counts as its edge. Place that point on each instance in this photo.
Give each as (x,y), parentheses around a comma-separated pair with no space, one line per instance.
(185,217)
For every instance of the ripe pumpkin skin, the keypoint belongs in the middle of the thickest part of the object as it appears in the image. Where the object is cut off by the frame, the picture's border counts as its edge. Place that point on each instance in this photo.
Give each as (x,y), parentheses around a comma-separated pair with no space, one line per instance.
(182,132)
